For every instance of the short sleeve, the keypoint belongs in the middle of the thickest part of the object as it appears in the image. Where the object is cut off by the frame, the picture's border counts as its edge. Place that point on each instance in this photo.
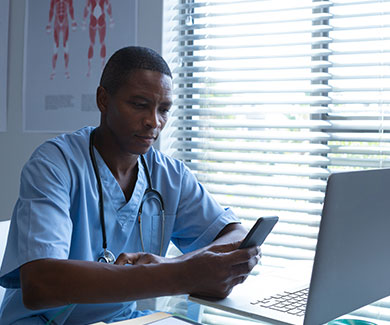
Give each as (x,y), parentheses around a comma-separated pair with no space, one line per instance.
(199,217)
(41,226)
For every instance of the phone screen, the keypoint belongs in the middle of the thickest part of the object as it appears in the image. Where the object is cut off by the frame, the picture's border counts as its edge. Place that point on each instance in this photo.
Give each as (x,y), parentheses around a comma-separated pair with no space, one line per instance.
(259,231)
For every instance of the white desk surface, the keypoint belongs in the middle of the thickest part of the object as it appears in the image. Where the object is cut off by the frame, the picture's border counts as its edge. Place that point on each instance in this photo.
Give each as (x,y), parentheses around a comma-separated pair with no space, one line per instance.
(300,271)
(142,320)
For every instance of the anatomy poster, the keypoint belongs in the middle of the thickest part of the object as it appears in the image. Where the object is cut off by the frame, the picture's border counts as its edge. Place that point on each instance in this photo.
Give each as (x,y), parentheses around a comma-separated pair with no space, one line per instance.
(67,44)
(3,63)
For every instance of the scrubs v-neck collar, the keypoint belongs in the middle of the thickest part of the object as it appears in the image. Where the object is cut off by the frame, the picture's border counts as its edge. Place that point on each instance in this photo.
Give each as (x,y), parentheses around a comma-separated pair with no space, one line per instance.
(114,197)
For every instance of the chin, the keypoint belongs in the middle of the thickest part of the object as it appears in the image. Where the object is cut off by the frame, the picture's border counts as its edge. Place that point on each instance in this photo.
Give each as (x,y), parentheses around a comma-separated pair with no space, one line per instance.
(139,150)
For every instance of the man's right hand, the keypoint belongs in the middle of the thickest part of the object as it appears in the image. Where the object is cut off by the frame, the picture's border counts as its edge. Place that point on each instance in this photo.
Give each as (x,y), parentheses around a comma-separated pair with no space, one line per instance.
(214,271)
(210,271)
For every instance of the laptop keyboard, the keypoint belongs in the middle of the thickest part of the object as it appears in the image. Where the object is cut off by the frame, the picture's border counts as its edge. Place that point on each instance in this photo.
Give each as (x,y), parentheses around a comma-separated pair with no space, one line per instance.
(293,303)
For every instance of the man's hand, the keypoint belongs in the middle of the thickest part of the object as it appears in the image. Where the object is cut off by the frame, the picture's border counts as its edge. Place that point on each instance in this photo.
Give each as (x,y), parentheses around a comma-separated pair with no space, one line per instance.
(209,271)
(215,271)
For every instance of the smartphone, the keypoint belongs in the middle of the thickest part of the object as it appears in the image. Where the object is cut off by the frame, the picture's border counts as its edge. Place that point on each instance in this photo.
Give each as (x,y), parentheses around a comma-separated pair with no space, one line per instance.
(259,231)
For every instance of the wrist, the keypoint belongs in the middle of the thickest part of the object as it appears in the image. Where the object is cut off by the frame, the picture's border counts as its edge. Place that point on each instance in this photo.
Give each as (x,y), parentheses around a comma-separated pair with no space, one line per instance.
(182,278)
(176,275)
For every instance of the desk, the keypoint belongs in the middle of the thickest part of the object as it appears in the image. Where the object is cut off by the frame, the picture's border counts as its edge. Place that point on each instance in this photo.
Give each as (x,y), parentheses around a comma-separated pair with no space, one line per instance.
(141,320)
(155,319)
(298,274)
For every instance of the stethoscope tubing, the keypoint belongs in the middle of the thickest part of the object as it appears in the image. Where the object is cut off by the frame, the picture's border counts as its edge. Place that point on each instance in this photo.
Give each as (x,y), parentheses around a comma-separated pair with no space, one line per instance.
(100,188)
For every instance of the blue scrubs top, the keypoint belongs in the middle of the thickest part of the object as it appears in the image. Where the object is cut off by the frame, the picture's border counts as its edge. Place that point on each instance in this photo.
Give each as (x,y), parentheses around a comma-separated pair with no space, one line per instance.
(57,216)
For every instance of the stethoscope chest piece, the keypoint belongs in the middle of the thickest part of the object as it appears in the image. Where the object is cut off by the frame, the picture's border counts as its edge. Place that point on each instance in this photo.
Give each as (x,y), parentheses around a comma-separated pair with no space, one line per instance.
(107,257)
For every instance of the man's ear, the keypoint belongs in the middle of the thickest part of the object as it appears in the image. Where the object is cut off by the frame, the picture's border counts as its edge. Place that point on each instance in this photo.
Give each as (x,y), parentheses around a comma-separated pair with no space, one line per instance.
(102,99)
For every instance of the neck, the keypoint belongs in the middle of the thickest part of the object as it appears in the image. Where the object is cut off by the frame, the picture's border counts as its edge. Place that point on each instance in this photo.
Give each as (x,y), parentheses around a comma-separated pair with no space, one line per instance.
(121,164)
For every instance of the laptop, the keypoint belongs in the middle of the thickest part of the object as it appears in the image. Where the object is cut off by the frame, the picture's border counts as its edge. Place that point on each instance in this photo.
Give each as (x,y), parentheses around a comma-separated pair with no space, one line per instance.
(352,261)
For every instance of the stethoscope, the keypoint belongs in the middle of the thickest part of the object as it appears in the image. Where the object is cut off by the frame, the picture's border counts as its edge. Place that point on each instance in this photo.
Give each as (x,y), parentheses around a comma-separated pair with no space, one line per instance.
(107,256)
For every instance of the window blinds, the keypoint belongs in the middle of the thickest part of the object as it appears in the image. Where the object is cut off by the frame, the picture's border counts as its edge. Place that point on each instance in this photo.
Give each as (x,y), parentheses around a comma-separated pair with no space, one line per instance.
(271,96)
(249,76)
(360,92)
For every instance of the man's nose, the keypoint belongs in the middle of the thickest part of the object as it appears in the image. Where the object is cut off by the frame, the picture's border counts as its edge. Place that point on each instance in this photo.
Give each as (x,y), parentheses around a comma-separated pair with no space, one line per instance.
(152,119)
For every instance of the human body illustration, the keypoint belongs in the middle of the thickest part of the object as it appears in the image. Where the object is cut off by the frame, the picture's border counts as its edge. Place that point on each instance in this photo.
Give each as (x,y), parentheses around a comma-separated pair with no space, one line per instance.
(59,10)
(97,23)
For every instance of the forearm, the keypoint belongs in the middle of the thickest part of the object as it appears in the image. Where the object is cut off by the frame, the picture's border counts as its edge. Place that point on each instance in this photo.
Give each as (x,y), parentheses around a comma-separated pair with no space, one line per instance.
(50,282)
(209,271)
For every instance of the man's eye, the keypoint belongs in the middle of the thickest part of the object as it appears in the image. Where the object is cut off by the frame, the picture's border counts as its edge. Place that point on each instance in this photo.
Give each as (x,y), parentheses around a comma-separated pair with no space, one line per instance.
(164,110)
(139,105)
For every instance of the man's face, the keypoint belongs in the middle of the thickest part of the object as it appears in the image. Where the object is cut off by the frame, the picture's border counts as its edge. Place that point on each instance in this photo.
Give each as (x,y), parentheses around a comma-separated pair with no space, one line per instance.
(138,111)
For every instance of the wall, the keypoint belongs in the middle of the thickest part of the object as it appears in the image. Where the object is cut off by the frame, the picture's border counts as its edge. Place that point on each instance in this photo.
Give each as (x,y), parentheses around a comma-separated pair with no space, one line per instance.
(16,146)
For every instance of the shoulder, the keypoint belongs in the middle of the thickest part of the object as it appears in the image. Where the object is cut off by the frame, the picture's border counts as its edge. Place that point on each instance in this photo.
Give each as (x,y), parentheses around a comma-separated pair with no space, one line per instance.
(64,147)
(65,154)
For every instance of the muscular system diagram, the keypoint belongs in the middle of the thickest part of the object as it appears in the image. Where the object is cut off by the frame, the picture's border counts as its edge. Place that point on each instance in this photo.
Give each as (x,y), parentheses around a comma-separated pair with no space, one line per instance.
(96,10)
(59,24)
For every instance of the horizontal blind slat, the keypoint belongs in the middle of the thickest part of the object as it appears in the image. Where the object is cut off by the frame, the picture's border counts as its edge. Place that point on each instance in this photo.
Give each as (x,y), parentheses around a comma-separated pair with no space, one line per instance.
(309,18)
(262,123)
(251,191)
(269,7)
(280,135)
(259,90)
(251,135)
(273,180)
(292,65)
(250,157)
(314,172)
(264,77)
(315,100)
(310,208)
(287,42)
(308,29)
(253,111)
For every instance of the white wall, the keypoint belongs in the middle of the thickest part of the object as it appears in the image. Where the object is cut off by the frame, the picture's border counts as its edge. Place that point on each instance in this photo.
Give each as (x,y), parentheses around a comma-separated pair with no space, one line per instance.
(16,146)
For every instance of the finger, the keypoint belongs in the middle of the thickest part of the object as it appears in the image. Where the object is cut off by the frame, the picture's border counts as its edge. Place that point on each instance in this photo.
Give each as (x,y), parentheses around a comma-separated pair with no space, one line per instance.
(245,269)
(146,258)
(223,248)
(240,256)
(127,258)
(122,259)
(233,283)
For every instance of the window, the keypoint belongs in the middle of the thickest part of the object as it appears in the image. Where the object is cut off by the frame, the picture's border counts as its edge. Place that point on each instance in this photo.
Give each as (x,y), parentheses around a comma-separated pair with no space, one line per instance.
(271,96)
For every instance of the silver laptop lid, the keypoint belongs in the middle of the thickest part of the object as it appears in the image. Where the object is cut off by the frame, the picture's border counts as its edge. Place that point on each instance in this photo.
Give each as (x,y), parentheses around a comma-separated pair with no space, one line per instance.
(352,261)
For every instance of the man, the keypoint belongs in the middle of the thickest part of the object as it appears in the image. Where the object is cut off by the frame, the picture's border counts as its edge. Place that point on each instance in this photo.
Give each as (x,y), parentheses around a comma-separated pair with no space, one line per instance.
(57,226)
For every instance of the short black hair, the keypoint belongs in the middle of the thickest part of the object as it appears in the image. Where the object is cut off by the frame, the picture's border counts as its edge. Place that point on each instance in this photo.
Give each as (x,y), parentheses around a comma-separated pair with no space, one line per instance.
(129,58)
